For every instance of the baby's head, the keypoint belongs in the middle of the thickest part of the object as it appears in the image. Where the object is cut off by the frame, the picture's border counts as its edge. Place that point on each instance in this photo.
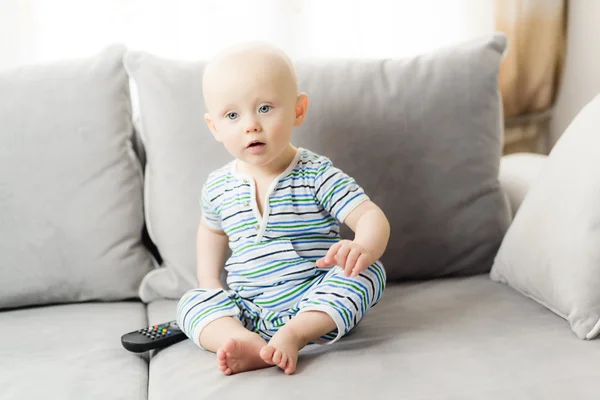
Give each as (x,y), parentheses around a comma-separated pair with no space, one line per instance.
(251,95)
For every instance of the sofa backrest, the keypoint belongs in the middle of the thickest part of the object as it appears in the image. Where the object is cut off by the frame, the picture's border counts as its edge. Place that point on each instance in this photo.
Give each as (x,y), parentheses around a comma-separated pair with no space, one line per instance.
(423,136)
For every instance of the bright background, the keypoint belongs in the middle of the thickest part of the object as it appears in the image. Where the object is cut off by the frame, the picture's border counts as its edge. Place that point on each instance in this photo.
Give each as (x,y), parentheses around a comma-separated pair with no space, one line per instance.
(43,30)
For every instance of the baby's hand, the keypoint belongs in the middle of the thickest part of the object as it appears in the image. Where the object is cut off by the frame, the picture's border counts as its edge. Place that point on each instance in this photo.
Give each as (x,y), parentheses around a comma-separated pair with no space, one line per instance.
(349,255)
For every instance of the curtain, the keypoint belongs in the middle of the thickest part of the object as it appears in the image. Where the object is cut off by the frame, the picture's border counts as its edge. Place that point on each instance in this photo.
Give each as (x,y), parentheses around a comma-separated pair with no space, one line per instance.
(42,30)
(530,73)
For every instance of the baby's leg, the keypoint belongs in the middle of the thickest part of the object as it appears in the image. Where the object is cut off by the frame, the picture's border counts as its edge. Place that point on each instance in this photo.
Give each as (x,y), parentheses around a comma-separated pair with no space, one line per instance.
(336,302)
(211,319)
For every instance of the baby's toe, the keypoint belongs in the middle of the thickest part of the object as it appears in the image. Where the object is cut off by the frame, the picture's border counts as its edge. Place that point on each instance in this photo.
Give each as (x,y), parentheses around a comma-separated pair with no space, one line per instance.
(277,357)
(290,370)
(291,366)
(282,364)
(229,346)
(266,353)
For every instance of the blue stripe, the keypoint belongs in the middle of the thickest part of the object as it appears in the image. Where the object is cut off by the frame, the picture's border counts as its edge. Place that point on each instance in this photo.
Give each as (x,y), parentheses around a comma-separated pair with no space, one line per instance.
(306,229)
(292,221)
(348,202)
(308,195)
(293,204)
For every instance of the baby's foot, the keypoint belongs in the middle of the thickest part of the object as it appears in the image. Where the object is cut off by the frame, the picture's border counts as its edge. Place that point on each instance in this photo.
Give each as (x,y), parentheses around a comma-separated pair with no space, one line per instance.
(239,355)
(282,351)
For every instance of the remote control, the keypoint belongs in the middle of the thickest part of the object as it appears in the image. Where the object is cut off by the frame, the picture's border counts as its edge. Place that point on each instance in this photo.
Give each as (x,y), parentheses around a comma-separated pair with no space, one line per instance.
(153,337)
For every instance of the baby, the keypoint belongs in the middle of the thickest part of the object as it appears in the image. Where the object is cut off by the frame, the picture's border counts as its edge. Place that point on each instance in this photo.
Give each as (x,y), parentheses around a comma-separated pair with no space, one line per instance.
(292,280)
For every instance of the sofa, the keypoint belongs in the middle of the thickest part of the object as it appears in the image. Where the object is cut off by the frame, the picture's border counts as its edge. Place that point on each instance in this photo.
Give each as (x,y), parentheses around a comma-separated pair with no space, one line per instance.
(101,165)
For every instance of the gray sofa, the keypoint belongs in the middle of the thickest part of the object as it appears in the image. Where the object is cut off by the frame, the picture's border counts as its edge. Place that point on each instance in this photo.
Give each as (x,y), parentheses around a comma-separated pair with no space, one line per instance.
(423,136)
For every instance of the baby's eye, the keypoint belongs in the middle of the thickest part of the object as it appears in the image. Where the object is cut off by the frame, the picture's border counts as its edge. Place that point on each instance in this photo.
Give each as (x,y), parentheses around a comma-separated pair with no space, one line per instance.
(231,115)
(264,109)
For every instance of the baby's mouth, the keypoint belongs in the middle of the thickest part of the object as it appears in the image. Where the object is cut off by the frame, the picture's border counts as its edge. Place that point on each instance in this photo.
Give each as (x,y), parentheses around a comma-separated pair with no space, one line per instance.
(255,144)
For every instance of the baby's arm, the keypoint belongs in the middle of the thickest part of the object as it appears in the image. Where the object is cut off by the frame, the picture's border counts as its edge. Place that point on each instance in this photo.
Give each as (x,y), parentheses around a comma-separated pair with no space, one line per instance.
(211,250)
(372,231)
(371,228)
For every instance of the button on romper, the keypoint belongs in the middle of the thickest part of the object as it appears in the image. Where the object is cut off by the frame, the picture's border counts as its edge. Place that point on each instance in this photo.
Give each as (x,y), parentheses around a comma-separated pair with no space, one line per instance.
(272,273)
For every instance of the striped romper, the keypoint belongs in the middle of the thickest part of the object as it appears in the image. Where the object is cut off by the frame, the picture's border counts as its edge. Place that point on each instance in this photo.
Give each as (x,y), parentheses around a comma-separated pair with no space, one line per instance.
(272,274)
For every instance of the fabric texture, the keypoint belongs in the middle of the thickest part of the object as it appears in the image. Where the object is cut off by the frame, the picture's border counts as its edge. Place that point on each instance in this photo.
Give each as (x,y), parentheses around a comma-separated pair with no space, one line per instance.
(551,252)
(71,201)
(72,352)
(458,339)
(422,136)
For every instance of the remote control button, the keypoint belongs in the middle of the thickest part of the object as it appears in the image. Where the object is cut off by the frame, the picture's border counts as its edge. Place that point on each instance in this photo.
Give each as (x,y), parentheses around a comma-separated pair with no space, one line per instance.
(160,328)
(169,333)
(155,326)
(164,330)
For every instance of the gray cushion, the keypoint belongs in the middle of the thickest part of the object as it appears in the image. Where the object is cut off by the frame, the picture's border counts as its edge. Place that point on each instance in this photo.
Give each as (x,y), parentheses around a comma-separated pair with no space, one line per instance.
(463,338)
(71,352)
(422,136)
(71,212)
(551,252)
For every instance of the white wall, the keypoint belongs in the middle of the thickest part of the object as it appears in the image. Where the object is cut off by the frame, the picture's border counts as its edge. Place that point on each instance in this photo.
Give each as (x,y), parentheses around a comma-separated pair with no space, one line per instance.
(581,76)
(33,31)
(9,34)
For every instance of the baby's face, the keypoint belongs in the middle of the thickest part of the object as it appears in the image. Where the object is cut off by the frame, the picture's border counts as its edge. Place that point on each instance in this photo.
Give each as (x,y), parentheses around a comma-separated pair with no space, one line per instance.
(252,105)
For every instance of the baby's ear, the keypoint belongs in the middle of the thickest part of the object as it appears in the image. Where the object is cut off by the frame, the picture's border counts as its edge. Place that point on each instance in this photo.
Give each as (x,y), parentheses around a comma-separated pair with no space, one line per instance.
(211,126)
(301,108)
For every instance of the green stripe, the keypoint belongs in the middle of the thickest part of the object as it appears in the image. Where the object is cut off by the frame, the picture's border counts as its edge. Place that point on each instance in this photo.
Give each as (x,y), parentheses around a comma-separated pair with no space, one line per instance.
(303,225)
(236,199)
(377,271)
(348,284)
(292,200)
(247,274)
(193,322)
(348,320)
(330,193)
(261,244)
(322,168)
(302,173)
(231,229)
(286,295)
(215,183)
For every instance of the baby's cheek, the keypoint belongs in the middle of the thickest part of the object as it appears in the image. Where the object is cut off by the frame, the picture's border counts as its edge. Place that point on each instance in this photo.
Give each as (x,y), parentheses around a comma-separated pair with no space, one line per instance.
(281,128)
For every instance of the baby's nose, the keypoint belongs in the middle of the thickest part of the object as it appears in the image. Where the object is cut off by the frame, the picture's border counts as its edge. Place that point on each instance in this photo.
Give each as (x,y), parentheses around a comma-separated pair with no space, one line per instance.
(253,126)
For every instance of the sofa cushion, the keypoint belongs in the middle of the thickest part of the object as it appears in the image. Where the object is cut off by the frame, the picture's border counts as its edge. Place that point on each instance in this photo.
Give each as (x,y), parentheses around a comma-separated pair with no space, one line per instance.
(422,136)
(551,252)
(518,171)
(71,212)
(71,352)
(462,338)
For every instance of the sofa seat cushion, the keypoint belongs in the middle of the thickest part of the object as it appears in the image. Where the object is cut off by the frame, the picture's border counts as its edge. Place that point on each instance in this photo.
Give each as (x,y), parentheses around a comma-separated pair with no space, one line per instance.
(71,352)
(463,338)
